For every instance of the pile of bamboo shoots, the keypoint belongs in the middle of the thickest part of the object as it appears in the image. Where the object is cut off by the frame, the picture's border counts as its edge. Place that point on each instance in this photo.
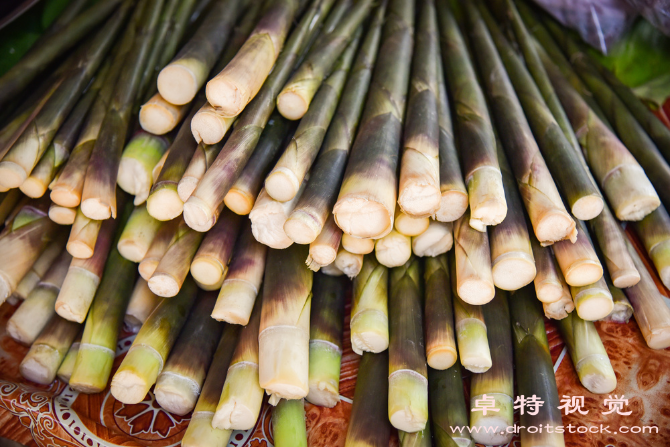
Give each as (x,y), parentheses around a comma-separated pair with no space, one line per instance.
(362,139)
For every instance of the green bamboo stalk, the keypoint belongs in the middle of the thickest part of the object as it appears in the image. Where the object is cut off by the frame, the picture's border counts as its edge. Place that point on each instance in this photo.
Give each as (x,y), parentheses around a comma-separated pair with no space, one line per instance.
(157,249)
(206,203)
(325,340)
(631,133)
(210,263)
(202,159)
(497,382)
(547,42)
(142,302)
(419,192)
(566,167)
(138,160)
(242,396)
(241,287)
(183,77)
(39,268)
(150,349)
(22,241)
(67,366)
(369,423)
(454,195)
(612,243)
(164,202)
(654,231)
(625,183)
(311,213)
(67,188)
(63,141)
(473,127)
(174,20)
(436,240)
(138,234)
(288,424)
(98,200)
(588,354)
(285,178)
(98,344)
(649,308)
(366,202)
(369,308)
(49,48)
(284,328)
(46,354)
(622,310)
(512,262)
(578,261)
(439,315)
(37,309)
(474,278)
(171,271)
(25,153)
(237,84)
(200,432)
(448,412)
(323,250)
(242,195)
(296,97)
(408,370)
(534,369)
(84,275)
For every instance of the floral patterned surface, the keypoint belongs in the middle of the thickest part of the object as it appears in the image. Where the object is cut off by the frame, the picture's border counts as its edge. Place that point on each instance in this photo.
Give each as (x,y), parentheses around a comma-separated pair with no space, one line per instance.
(56,415)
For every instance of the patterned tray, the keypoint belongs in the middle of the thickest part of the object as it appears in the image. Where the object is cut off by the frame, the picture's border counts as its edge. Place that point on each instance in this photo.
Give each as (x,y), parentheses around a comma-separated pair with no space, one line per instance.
(56,415)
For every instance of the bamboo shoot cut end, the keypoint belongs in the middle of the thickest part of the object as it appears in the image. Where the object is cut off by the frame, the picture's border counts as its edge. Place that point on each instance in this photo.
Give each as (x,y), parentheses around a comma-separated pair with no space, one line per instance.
(291,105)
(357,245)
(235,302)
(239,202)
(177,84)
(588,207)
(157,120)
(513,270)
(176,394)
(594,307)
(442,358)
(131,250)
(208,127)
(284,362)
(164,204)
(418,200)
(282,184)
(476,291)
(491,430)
(369,332)
(12,175)
(62,215)
(323,255)
(226,96)
(129,387)
(207,271)
(583,273)
(408,401)
(302,228)
(555,226)
(33,188)
(625,278)
(659,339)
(394,249)
(40,364)
(198,215)
(411,226)
(133,178)
(147,267)
(66,197)
(163,285)
(97,209)
(549,292)
(186,187)
(363,218)
(79,249)
(452,206)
